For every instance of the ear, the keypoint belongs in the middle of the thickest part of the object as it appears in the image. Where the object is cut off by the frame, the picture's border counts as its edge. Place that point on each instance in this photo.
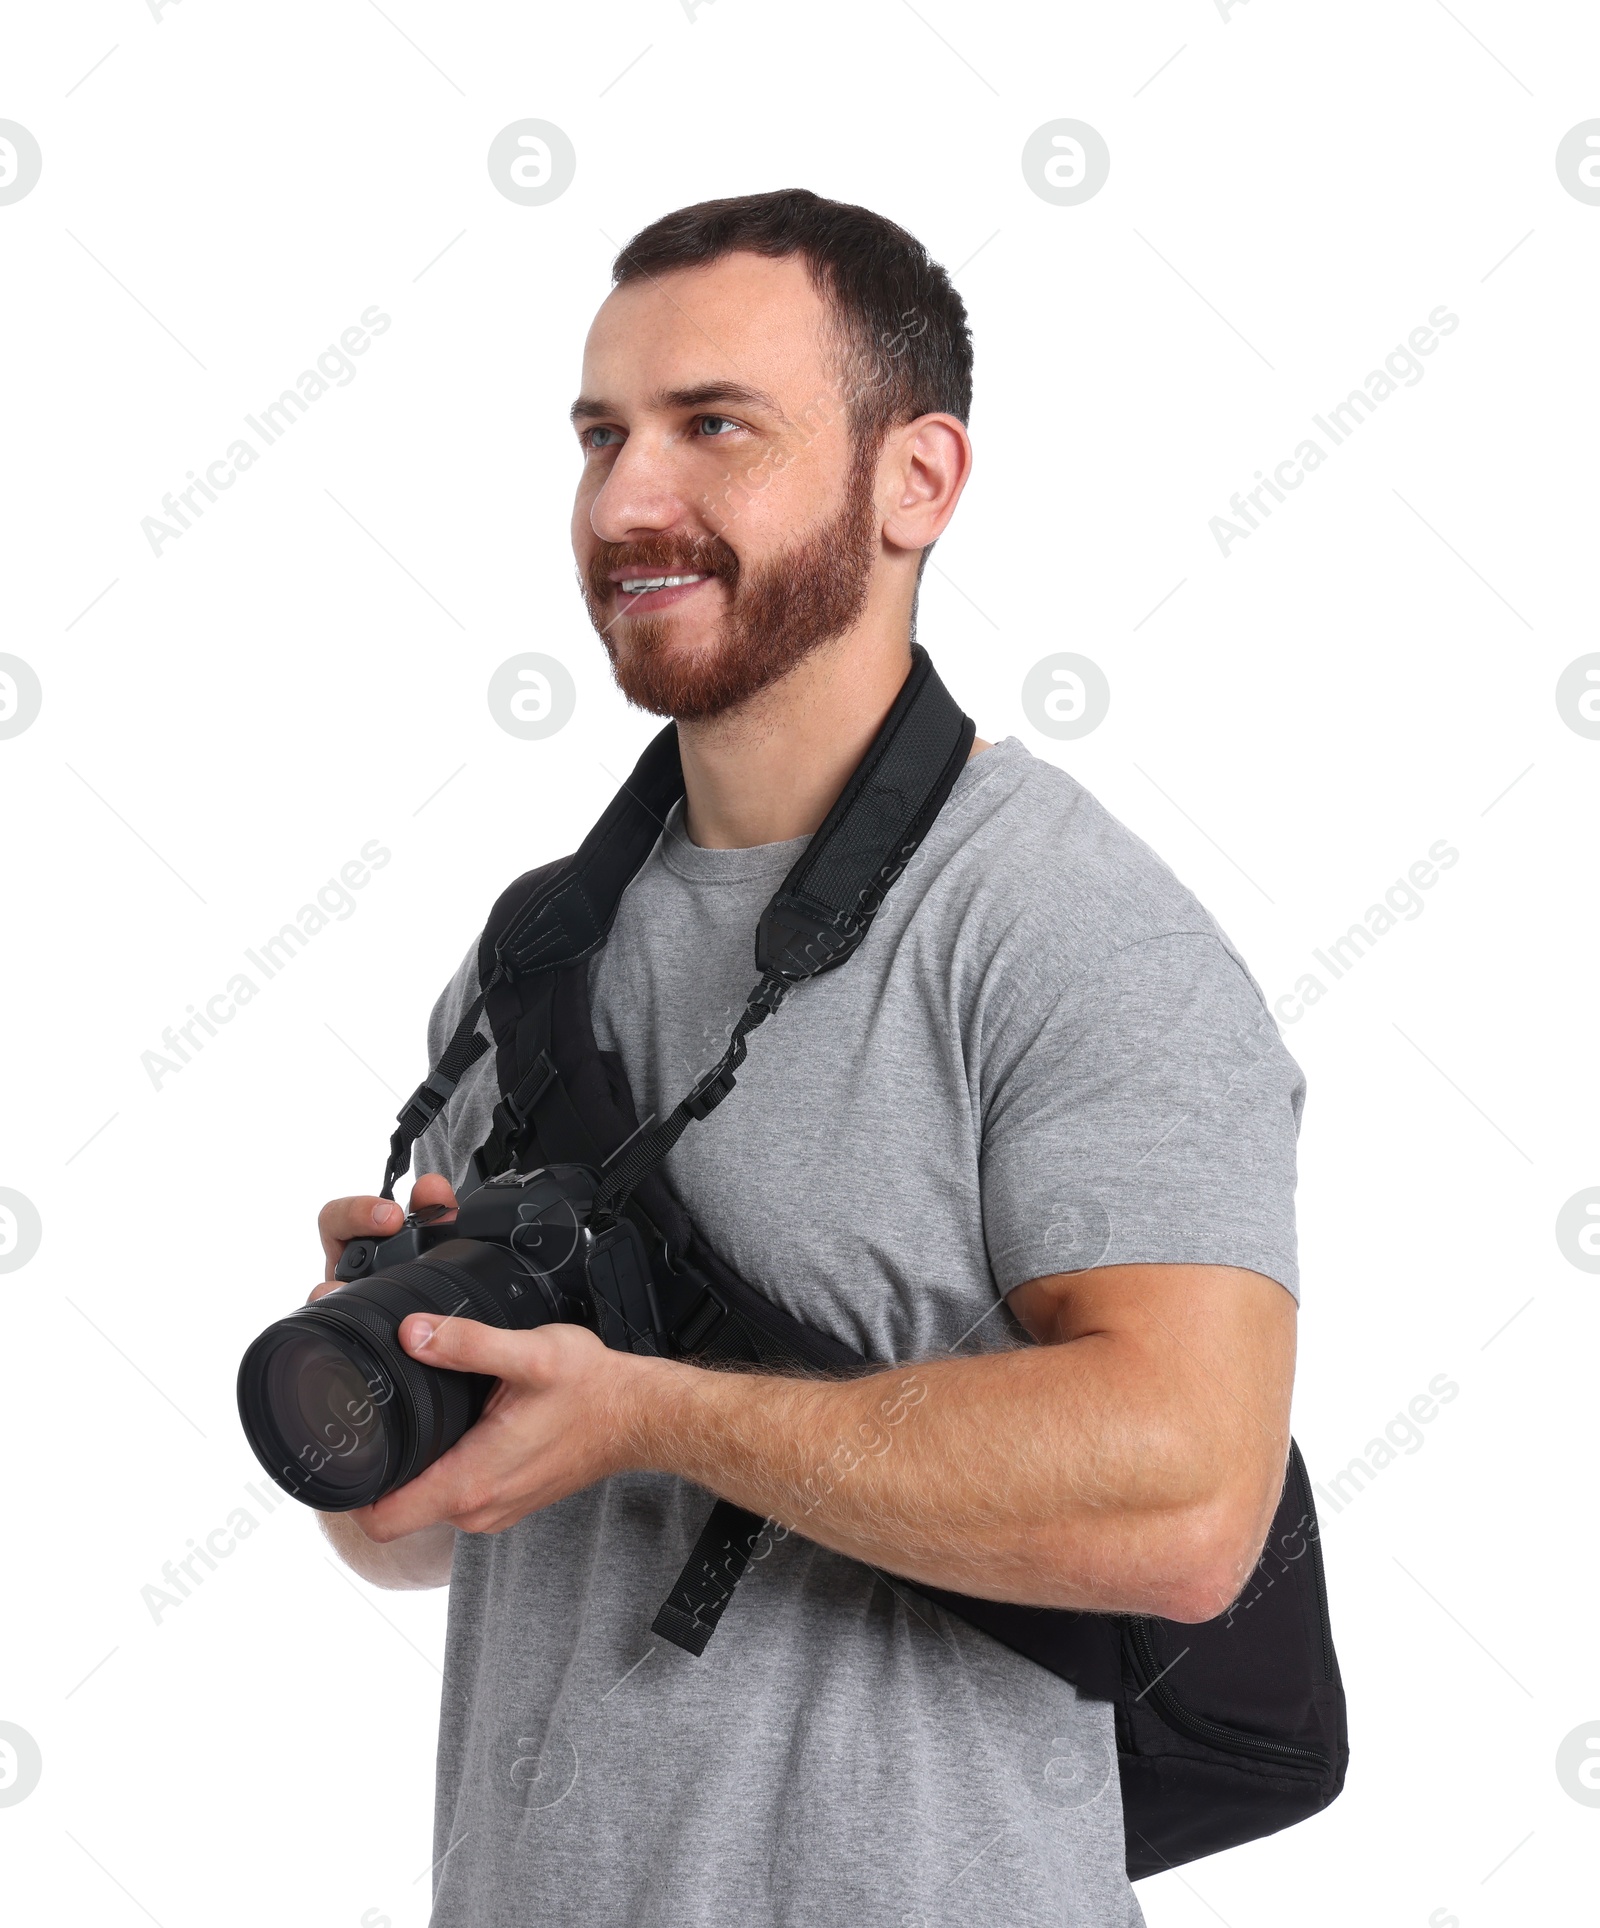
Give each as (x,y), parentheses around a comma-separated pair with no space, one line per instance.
(921,473)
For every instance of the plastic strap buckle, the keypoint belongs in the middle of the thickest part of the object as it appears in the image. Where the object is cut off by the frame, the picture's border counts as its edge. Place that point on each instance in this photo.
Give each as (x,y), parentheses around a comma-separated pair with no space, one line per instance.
(541,1075)
(710,1091)
(705,1317)
(510,1116)
(425,1103)
(766,998)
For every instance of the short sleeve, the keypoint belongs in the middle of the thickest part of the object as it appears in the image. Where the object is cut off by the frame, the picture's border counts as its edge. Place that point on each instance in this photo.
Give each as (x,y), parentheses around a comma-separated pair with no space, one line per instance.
(1145,1113)
(449,1142)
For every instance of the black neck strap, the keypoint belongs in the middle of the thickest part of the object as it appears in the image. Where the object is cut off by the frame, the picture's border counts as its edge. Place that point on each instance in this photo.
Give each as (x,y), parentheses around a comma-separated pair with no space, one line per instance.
(826,904)
(822,910)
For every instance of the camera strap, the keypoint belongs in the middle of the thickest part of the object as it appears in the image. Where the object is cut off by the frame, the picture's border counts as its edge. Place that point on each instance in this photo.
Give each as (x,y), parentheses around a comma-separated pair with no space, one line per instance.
(533,970)
(821,913)
(467,1045)
(825,906)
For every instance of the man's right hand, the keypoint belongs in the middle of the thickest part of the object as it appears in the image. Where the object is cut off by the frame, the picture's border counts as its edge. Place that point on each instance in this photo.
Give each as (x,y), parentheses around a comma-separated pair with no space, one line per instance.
(420,1559)
(343,1219)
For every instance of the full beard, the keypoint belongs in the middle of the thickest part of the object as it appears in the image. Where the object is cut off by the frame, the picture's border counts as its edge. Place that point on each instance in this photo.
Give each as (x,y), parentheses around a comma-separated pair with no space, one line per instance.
(778,613)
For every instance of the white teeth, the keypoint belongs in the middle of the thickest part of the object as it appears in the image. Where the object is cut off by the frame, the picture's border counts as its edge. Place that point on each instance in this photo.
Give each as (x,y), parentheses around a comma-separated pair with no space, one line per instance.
(642,585)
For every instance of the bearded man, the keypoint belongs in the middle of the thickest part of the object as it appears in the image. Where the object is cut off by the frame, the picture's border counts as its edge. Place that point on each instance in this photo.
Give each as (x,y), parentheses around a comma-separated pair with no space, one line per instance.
(1032,1152)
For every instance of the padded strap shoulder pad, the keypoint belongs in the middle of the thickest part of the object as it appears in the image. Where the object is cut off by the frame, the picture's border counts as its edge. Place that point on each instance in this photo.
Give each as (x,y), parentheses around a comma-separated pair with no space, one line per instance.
(826,904)
(567,913)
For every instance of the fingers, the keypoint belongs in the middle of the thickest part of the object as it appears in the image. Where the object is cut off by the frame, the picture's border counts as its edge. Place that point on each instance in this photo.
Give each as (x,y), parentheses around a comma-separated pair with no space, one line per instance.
(432,1188)
(545,1431)
(343,1219)
(480,1485)
(460,1488)
(463,1345)
(434,1496)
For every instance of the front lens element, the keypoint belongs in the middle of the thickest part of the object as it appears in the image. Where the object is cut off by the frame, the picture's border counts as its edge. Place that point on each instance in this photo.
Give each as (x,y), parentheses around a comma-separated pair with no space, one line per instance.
(327,1414)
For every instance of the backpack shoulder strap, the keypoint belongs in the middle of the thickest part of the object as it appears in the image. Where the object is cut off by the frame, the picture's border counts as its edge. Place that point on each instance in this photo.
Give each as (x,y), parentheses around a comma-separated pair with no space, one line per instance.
(562,913)
(549,919)
(552,920)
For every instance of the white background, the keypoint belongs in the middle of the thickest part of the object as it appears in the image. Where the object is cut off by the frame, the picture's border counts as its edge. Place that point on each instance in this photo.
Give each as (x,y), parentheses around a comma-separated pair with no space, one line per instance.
(1290,195)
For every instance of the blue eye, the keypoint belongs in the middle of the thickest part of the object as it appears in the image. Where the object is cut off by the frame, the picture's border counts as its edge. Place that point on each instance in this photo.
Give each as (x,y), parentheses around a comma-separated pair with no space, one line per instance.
(592,437)
(716,423)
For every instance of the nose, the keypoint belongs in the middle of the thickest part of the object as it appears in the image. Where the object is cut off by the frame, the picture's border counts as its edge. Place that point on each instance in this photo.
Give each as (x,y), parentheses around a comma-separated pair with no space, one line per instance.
(641,495)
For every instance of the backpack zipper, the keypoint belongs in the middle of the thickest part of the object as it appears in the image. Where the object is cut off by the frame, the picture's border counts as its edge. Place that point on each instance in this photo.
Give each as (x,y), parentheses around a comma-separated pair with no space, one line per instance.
(1169,1709)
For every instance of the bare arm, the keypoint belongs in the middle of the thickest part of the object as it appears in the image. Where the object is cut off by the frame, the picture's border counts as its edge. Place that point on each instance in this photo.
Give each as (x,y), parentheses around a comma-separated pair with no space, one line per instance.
(420,1559)
(1130,1462)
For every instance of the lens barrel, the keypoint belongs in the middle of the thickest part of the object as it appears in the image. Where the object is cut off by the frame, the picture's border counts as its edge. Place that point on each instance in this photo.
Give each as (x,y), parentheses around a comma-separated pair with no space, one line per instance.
(335,1408)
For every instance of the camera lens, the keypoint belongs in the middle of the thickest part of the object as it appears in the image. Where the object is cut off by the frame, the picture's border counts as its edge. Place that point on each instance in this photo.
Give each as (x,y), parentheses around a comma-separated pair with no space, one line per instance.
(336,1409)
(322,1404)
(318,1401)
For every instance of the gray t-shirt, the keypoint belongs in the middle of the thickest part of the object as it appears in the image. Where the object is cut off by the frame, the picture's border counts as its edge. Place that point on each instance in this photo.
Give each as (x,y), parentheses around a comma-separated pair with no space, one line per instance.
(1045,1056)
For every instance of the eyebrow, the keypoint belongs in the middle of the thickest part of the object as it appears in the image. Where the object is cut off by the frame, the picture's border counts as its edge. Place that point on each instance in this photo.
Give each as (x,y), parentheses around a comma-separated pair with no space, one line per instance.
(588,408)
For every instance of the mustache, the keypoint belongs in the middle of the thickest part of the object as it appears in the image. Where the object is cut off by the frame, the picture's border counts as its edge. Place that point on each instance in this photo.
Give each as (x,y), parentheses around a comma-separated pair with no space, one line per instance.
(666,555)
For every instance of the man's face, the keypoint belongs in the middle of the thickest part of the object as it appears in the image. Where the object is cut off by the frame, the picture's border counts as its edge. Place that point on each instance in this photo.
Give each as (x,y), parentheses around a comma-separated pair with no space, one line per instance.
(725,525)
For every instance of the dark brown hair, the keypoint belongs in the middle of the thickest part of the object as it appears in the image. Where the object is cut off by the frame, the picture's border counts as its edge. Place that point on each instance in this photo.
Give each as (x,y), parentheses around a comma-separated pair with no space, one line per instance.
(908,350)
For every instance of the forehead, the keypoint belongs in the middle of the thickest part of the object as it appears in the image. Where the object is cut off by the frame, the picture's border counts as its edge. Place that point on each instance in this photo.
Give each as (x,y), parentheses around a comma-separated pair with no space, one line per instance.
(745,318)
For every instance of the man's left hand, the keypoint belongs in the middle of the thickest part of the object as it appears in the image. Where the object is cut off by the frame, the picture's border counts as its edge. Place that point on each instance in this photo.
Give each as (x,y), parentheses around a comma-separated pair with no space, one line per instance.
(555,1423)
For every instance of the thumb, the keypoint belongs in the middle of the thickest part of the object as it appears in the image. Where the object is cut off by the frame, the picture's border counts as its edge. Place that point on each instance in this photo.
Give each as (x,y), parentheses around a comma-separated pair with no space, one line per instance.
(461,1345)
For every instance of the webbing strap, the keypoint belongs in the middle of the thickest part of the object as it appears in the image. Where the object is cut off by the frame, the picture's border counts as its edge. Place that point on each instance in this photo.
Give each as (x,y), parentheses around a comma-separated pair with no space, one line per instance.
(521,1094)
(467,1045)
(689,1616)
(821,912)
(643,1153)
(836,887)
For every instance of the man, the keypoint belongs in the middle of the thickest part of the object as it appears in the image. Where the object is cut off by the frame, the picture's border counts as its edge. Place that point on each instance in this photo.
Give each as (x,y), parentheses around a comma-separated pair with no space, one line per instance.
(1032,1148)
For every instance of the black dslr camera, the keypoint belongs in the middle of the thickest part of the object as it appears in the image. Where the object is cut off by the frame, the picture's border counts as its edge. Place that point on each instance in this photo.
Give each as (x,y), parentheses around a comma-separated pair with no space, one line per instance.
(336,1409)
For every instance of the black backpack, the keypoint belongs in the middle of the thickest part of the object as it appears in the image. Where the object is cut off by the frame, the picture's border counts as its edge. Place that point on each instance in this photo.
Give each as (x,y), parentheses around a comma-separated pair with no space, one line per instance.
(1227,1730)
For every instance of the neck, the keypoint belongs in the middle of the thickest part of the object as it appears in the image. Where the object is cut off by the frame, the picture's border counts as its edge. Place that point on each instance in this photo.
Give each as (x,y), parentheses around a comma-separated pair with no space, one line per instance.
(773,769)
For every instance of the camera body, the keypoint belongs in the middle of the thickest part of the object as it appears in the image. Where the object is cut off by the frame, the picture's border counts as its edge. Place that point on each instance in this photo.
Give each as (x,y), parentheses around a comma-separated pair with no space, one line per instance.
(540,1215)
(335,1408)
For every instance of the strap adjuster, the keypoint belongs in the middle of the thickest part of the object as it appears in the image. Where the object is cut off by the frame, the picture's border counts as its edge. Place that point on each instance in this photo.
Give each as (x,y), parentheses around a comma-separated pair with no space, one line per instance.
(704,1318)
(710,1091)
(541,1075)
(426,1102)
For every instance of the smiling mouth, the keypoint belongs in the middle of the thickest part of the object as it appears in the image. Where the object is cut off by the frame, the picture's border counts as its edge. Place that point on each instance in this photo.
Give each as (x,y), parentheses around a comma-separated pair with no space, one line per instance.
(644,585)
